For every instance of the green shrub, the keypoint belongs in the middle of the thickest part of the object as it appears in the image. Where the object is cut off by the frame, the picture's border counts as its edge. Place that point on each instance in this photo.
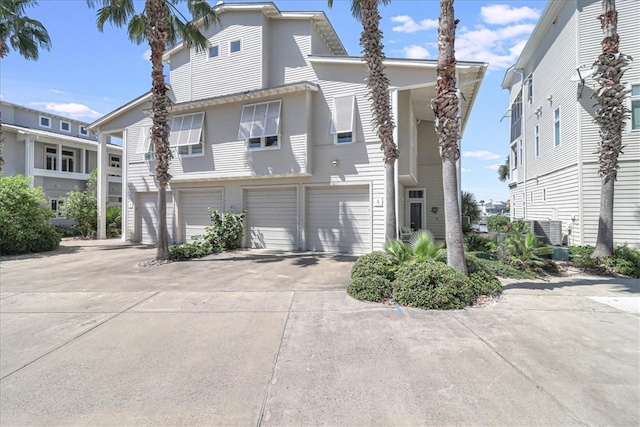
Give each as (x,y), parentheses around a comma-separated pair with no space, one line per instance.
(521,249)
(421,247)
(626,261)
(196,249)
(474,242)
(371,277)
(484,283)
(23,218)
(497,223)
(474,265)
(500,269)
(114,221)
(82,205)
(67,230)
(431,285)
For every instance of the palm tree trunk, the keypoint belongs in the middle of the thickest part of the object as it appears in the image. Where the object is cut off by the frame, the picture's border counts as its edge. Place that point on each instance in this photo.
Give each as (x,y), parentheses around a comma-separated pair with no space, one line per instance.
(157,32)
(611,119)
(447,124)
(378,85)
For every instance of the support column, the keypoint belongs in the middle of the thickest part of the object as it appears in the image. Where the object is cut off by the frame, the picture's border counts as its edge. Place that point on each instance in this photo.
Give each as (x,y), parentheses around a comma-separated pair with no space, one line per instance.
(29,155)
(103,190)
(83,161)
(394,115)
(124,160)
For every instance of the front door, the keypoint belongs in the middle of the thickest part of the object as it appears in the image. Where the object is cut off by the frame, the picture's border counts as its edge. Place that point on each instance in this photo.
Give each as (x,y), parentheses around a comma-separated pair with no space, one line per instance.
(415,209)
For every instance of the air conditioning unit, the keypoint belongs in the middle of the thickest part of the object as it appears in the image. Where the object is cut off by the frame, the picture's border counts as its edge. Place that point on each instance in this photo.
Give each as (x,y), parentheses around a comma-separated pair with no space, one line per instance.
(547,231)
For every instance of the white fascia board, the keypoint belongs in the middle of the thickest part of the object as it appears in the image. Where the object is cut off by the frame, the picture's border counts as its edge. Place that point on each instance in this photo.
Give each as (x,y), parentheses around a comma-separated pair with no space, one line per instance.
(46,136)
(95,126)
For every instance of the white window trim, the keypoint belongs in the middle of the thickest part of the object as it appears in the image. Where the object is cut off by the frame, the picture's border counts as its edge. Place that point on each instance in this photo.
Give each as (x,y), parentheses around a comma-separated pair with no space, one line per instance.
(247,127)
(83,130)
(513,163)
(40,122)
(241,46)
(193,132)
(630,100)
(263,140)
(334,127)
(144,146)
(407,209)
(68,123)
(559,122)
(209,57)
(189,150)
(536,140)
(529,81)
(64,156)
(54,162)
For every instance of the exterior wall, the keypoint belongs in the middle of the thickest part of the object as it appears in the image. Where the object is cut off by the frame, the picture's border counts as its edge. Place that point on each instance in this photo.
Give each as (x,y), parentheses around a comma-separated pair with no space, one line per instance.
(287,46)
(430,178)
(13,154)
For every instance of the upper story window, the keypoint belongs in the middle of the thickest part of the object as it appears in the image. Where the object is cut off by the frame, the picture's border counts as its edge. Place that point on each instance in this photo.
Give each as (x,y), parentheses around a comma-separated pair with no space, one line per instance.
(260,124)
(635,107)
(214,51)
(516,115)
(84,131)
(235,46)
(556,127)
(45,122)
(50,158)
(537,140)
(529,82)
(186,133)
(144,143)
(65,126)
(343,119)
(68,160)
(513,157)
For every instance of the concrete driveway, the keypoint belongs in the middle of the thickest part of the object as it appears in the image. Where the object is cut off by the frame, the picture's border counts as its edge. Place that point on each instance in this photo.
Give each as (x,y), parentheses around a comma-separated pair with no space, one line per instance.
(252,338)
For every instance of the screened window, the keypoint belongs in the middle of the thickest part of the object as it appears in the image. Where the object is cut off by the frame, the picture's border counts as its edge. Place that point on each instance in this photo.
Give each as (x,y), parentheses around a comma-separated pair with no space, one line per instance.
(65,126)
(342,119)
(635,107)
(186,130)
(45,122)
(537,140)
(556,126)
(260,124)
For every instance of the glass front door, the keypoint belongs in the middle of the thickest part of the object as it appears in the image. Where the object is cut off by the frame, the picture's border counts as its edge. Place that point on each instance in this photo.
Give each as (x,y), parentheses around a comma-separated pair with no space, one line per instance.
(415,215)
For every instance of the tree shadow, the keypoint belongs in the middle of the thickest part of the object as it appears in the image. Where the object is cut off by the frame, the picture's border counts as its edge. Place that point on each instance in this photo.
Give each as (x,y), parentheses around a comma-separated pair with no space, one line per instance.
(60,250)
(615,283)
(299,259)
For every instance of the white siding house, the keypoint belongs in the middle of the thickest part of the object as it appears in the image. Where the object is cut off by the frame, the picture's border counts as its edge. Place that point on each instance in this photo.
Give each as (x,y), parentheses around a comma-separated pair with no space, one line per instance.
(274,119)
(554,141)
(58,152)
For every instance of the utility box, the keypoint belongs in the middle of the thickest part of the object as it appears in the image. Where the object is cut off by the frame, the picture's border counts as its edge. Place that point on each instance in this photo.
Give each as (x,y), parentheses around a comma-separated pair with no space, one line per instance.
(560,253)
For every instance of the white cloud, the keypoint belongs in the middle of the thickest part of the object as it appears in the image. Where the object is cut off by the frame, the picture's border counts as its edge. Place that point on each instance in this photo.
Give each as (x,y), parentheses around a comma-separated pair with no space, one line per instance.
(57,91)
(71,109)
(481,154)
(465,170)
(415,52)
(493,167)
(501,14)
(409,25)
(146,55)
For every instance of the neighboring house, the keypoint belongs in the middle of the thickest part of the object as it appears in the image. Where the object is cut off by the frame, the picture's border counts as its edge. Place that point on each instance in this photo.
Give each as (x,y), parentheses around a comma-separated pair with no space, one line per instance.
(274,119)
(554,141)
(58,152)
(494,208)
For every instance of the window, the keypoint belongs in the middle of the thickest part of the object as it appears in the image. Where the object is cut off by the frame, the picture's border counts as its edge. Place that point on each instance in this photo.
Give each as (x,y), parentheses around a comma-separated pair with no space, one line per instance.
(214,51)
(235,46)
(186,130)
(531,196)
(520,156)
(56,206)
(635,107)
(144,143)
(516,114)
(191,150)
(114,161)
(68,160)
(45,122)
(84,131)
(529,82)
(514,156)
(342,119)
(556,126)
(544,194)
(260,124)
(51,158)
(537,140)
(65,126)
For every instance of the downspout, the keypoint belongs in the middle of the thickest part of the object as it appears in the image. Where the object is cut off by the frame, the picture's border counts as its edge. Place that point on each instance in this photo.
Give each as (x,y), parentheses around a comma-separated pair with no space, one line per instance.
(523,129)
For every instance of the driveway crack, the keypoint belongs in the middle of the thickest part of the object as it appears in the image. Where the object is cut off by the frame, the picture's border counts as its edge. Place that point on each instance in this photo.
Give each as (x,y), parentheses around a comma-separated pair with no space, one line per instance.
(79,335)
(275,364)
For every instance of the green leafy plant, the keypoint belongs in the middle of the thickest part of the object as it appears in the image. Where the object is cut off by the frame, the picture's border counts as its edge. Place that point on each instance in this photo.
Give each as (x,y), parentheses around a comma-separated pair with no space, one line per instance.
(23,218)
(625,260)
(114,221)
(500,269)
(474,242)
(497,223)
(422,246)
(521,249)
(82,206)
(371,277)
(470,209)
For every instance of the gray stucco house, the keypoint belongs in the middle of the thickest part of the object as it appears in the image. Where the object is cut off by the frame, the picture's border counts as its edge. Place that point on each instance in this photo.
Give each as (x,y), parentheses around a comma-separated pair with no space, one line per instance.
(58,152)
(273,118)
(553,142)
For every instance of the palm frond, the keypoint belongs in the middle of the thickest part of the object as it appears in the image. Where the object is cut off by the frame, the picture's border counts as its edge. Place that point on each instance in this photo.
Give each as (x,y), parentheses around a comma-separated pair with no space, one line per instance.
(201,10)
(398,250)
(424,246)
(116,12)
(136,30)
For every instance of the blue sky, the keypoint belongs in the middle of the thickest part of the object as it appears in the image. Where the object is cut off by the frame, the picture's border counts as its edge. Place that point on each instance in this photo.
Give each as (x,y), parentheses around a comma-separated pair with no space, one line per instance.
(88,74)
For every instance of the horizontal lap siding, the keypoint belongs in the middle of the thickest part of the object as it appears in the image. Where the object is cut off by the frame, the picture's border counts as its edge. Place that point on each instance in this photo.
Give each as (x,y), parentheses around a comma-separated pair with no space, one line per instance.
(289,44)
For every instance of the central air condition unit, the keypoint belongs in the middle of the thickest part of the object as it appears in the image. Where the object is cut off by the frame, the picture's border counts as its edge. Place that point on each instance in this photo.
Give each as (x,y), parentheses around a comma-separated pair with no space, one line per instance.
(547,231)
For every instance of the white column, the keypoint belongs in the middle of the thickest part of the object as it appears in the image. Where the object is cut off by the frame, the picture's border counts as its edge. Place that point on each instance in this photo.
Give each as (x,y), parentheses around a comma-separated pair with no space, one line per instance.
(59,158)
(394,115)
(103,190)
(83,161)
(29,154)
(124,160)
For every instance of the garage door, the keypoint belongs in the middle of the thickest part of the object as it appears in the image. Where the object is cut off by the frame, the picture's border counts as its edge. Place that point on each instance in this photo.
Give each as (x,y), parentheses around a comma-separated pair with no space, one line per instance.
(272,218)
(338,219)
(147,217)
(195,211)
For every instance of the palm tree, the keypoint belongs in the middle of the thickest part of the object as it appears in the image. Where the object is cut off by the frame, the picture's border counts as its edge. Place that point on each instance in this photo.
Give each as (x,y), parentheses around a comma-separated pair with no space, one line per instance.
(610,116)
(503,171)
(366,11)
(447,125)
(25,35)
(470,206)
(160,24)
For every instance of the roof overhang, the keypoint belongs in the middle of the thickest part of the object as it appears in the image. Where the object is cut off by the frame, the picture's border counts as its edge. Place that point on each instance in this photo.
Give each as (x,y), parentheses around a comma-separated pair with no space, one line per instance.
(46,136)
(248,95)
(95,126)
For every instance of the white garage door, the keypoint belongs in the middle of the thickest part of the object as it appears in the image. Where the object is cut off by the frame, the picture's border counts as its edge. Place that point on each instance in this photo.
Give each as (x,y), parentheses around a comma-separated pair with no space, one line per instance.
(147,217)
(195,211)
(338,219)
(272,218)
